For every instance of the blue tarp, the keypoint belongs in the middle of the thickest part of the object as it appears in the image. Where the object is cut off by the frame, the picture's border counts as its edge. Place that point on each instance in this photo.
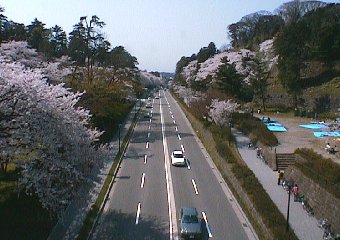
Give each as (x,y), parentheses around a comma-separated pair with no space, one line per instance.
(313,126)
(326,134)
(276,127)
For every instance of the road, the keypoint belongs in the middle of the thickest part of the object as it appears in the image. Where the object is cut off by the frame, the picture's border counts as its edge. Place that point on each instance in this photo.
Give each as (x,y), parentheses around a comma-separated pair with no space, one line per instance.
(148,192)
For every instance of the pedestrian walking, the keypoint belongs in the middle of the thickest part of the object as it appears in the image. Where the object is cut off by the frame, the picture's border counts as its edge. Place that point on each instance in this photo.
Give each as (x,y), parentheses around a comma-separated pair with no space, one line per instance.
(279,177)
(296,192)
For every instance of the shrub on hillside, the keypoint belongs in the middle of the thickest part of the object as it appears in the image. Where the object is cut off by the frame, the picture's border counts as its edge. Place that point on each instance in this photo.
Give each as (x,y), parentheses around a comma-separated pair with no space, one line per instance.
(321,170)
(256,129)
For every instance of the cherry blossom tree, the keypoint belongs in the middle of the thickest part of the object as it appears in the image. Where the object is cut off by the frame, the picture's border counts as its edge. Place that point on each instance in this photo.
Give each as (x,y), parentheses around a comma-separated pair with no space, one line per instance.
(220,111)
(55,71)
(45,134)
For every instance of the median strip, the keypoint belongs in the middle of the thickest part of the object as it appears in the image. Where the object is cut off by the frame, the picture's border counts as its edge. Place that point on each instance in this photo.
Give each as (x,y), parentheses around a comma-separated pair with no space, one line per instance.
(173,229)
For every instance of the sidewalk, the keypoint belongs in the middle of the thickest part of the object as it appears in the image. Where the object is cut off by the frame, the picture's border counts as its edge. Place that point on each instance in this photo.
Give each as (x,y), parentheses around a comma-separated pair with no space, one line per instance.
(304,226)
(71,222)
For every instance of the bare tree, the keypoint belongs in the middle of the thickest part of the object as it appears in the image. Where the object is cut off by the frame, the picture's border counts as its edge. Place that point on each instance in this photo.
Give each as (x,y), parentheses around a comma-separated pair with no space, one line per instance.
(293,11)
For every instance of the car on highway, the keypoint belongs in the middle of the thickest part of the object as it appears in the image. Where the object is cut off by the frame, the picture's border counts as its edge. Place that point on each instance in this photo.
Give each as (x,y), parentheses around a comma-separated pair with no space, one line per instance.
(190,224)
(148,105)
(146,114)
(177,158)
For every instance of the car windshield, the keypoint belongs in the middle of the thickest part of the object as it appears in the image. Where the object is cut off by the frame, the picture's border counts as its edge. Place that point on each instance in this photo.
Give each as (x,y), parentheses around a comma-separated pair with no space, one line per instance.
(178,155)
(190,219)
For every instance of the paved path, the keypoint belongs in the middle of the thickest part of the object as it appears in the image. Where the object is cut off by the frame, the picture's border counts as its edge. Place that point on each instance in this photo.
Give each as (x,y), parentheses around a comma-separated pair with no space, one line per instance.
(71,222)
(304,226)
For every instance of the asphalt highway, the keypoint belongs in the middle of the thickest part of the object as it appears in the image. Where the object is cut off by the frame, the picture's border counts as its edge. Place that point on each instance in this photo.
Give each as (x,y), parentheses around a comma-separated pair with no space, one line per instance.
(148,192)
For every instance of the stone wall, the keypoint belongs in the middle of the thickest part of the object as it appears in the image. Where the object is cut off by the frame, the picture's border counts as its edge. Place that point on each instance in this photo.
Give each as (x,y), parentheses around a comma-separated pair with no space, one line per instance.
(324,204)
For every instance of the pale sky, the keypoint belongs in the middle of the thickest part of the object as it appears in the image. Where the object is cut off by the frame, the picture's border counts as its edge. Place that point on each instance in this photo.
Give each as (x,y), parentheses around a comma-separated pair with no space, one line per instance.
(157,32)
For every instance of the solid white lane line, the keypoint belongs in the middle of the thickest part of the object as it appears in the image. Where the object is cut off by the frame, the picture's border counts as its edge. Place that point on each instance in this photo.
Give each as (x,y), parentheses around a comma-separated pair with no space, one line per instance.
(148,135)
(179,137)
(147,145)
(188,164)
(195,186)
(138,213)
(182,147)
(145,158)
(143,181)
(170,192)
(176,129)
(206,224)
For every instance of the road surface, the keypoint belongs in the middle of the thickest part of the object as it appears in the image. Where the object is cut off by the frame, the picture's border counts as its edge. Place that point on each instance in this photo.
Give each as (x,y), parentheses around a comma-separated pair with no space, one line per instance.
(148,192)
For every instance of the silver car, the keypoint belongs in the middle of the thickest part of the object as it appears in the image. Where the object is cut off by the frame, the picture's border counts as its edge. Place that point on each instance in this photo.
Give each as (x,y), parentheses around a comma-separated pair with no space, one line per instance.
(190,224)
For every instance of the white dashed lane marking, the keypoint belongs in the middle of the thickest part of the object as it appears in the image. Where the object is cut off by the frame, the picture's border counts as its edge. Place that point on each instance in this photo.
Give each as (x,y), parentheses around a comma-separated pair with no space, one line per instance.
(206,224)
(142,181)
(195,186)
(182,147)
(188,164)
(138,213)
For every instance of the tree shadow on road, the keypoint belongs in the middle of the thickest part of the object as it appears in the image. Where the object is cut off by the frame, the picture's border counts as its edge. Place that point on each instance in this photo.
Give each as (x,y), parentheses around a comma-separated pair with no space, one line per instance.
(118,225)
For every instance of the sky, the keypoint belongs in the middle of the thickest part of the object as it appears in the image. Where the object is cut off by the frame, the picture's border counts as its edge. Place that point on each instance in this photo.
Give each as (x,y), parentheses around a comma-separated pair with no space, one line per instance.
(157,32)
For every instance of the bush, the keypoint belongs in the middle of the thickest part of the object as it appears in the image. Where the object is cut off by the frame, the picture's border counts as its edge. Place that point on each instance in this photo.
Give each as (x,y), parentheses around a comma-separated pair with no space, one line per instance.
(255,128)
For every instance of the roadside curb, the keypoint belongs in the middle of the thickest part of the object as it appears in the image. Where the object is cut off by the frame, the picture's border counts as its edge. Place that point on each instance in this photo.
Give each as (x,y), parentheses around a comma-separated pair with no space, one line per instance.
(120,156)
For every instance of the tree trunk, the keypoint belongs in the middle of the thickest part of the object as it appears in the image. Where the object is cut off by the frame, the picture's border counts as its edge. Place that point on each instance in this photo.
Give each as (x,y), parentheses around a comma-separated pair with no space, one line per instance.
(263,103)
(295,101)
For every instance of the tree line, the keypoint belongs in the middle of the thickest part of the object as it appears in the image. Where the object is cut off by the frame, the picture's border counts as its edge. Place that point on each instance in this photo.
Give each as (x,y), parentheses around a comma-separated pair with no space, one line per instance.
(302,31)
(85,44)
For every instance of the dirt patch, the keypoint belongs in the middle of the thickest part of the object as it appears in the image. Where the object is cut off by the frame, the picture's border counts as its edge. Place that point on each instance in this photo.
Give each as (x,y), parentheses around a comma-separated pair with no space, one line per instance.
(298,137)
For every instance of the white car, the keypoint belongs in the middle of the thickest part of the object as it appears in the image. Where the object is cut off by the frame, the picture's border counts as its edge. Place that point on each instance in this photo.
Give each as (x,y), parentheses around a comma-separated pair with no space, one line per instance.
(177,158)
